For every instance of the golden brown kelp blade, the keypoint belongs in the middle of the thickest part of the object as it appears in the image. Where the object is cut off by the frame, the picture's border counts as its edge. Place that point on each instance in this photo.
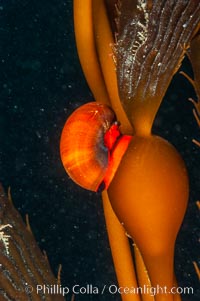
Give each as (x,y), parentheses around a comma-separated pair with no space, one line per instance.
(152,39)
(22,264)
(194,56)
(113,11)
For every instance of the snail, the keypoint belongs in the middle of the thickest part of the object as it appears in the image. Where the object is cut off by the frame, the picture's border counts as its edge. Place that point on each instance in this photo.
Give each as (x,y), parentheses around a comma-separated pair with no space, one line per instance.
(92,146)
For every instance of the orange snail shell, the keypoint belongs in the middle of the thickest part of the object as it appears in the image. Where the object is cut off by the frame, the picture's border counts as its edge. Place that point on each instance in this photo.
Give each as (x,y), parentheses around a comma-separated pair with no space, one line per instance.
(92,146)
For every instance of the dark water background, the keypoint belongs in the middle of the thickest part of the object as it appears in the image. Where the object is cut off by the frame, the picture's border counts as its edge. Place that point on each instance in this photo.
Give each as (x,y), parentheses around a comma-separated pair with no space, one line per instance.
(41,82)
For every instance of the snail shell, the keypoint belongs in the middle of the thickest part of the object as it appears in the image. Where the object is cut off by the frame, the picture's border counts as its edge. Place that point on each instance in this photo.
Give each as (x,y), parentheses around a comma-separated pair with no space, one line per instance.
(92,146)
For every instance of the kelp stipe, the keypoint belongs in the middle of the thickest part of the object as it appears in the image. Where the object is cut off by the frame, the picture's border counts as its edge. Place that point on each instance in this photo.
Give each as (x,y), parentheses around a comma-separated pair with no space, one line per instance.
(135,48)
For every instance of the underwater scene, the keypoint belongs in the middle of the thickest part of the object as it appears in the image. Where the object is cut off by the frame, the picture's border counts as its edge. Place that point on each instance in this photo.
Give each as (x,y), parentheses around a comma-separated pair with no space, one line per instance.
(42,83)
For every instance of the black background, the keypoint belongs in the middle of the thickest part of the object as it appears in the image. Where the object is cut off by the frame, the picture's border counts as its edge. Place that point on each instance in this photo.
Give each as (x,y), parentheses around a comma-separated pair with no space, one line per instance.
(41,82)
